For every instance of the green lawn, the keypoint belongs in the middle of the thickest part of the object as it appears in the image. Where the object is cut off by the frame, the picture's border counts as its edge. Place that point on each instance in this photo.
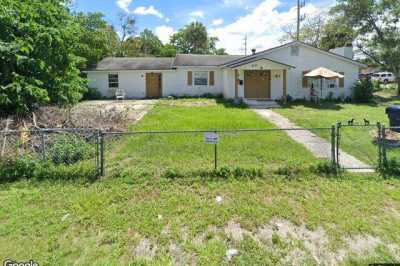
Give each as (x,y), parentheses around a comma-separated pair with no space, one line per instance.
(148,219)
(158,153)
(355,140)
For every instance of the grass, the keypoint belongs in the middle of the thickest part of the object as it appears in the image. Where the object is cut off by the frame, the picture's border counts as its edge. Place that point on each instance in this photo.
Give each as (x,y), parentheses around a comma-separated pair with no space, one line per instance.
(359,142)
(156,153)
(151,220)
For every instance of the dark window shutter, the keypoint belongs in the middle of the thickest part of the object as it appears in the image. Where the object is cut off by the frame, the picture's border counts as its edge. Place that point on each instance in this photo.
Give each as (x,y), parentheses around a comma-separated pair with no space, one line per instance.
(341,81)
(212,80)
(189,78)
(305,79)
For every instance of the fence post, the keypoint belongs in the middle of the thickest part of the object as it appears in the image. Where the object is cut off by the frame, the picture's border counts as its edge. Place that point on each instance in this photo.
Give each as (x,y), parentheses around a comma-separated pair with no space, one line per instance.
(102,172)
(379,141)
(338,126)
(215,155)
(384,158)
(43,144)
(333,150)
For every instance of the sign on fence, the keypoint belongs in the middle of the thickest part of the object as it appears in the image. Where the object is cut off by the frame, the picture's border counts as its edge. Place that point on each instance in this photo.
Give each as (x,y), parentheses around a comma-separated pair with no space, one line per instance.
(211,138)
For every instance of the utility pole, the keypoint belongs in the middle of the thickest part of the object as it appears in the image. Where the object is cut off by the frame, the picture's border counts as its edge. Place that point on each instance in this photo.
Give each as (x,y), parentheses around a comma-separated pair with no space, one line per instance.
(245,44)
(300,18)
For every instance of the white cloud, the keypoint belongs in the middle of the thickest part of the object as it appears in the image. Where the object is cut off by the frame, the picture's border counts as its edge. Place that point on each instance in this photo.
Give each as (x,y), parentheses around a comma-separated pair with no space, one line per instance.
(124,4)
(217,22)
(142,10)
(164,33)
(263,26)
(234,2)
(167,20)
(197,14)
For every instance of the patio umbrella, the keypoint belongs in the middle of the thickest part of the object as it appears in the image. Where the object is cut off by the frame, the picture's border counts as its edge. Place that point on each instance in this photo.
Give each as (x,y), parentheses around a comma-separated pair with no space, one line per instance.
(322,73)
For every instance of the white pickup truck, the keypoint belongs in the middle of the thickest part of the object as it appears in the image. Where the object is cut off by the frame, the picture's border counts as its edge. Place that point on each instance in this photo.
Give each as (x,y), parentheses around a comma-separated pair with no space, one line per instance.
(385,77)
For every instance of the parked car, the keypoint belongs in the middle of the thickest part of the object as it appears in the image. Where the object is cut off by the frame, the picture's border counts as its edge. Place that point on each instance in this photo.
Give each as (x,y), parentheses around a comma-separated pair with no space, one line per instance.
(384,77)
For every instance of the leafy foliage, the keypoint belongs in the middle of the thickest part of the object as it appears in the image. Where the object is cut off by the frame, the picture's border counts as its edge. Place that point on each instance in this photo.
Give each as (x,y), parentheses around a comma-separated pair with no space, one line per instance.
(363,91)
(69,149)
(39,63)
(377,27)
(194,39)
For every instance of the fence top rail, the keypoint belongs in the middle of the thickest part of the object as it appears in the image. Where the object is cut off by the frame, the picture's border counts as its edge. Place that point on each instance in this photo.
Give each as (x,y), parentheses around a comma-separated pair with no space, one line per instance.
(50,130)
(361,126)
(213,130)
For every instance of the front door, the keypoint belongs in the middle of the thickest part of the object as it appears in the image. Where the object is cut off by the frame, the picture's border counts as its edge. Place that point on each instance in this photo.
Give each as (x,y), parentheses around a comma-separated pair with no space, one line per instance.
(153,85)
(257,84)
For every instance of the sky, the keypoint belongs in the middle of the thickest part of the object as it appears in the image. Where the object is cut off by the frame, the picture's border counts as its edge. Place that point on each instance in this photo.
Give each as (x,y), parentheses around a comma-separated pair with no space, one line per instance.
(229,20)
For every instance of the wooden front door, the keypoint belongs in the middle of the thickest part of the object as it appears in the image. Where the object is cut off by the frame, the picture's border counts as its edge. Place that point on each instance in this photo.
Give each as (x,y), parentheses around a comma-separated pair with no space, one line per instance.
(153,85)
(257,84)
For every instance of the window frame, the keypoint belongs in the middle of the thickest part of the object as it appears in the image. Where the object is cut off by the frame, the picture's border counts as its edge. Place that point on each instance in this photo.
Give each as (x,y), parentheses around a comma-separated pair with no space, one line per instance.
(206,77)
(113,82)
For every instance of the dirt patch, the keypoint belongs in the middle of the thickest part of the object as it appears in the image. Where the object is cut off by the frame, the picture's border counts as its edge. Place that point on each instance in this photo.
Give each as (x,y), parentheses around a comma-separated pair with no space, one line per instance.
(145,250)
(234,231)
(107,115)
(190,102)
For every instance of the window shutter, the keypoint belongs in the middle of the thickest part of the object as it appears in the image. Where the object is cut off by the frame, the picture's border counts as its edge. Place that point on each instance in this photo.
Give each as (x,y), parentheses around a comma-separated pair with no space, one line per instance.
(341,81)
(305,79)
(212,81)
(189,78)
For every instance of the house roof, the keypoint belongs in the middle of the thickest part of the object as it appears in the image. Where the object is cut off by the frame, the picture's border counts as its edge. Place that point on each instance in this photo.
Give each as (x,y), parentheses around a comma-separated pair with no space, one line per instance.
(297,43)
(191,60)
(203,60)
(134,63)
(255,59)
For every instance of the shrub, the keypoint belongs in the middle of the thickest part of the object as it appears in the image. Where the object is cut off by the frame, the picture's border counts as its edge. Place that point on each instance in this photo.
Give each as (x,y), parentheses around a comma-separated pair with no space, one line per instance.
(290,170)
(363,91)
(92,94)
(69,149)
(391,168)
(12,169)
(326,168)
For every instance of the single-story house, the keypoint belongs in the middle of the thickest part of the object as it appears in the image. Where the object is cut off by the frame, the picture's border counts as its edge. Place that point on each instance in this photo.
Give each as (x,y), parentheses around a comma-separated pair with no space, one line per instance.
(271,74)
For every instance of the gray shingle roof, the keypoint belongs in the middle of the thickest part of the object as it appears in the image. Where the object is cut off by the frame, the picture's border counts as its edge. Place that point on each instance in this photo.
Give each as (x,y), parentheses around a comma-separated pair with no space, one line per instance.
(134,63)
(203,60)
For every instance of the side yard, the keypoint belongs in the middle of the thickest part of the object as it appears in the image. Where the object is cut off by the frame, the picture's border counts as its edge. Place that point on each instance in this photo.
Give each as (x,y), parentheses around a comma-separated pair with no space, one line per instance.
(357,141)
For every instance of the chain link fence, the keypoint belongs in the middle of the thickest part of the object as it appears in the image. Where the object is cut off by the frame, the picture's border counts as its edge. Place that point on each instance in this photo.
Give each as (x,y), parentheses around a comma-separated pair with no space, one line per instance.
(67,148)
(198,151)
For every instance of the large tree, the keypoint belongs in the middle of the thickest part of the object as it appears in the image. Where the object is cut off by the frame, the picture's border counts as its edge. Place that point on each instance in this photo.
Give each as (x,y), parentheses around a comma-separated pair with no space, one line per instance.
(322,31)
(39,63)
(377,24)
(149,43)
(96,39)
(127,23)
(194,39)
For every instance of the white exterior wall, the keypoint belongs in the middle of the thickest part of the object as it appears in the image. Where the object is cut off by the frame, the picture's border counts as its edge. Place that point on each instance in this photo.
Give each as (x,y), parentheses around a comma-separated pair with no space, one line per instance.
(309,59)
(175,83)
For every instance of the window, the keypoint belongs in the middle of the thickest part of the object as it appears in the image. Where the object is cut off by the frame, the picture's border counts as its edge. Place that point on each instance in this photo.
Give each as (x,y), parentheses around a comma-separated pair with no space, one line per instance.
(331,83)
(294,51)
(113,81)
(200,78)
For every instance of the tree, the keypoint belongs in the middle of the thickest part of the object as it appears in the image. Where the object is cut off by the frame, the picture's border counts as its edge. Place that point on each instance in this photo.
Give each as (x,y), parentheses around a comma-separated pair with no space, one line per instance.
(39,63)
(378,31)
(168,50)
(310,32)
(194,39)
(149,43)
(321,31)
(127,24)
(96,38)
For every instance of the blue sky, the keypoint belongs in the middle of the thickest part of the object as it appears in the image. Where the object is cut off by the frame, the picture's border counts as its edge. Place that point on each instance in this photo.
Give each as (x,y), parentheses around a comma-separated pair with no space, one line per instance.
(229,20)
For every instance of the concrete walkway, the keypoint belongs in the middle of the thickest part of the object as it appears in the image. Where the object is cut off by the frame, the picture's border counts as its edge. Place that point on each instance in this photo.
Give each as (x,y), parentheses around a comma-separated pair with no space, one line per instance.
(320,147)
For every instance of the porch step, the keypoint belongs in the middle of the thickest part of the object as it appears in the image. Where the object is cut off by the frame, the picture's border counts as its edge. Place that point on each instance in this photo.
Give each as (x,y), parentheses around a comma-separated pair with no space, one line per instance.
(261,104)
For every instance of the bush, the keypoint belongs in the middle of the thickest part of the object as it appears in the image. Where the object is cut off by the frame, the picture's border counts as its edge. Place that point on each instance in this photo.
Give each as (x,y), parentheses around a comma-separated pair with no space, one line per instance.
(326,168)
(29,167)
(391,168)
(12,169)
(69,149)
(92,94)
(363,91)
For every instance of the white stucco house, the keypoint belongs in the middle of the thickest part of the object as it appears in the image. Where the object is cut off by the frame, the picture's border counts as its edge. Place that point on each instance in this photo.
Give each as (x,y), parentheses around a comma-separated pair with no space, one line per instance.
(271,74)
